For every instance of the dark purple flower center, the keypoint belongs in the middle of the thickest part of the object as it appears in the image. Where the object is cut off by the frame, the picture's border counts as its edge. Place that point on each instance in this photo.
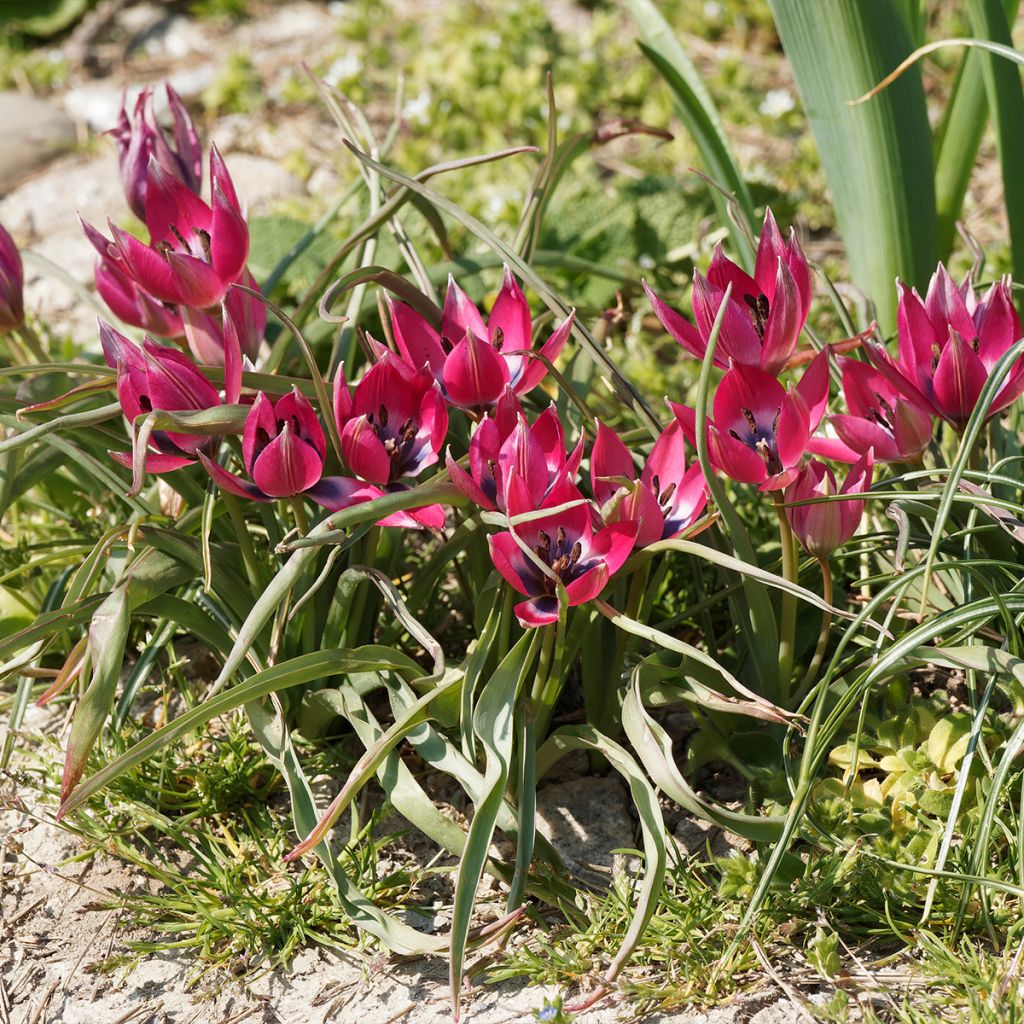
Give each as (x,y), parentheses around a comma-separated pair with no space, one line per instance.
(401,444)
(761,439)
(199,247)
(561,556)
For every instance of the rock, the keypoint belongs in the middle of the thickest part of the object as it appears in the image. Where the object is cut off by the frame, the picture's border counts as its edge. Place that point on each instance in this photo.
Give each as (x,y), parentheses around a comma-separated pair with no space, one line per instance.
(41,214)
(259,181)
(585,820)
(694,836)
(35,131)
(98,104)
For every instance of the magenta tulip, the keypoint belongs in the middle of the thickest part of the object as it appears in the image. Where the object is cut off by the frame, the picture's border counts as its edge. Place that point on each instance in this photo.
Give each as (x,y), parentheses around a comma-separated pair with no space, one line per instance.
(392,427)
(474,361)
(536,452)
(948,345)
(141,138)
(196,251)
(879,418)
(283,450)
(826,525)
(565,544)
(663,501)
(760,430)
(155,377)
(12,283)
(766,312)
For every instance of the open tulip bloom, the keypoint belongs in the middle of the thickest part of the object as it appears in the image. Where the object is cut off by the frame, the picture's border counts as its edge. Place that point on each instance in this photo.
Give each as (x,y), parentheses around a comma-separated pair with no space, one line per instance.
(475,361)
(196,251)
(667,497)
(760,430)
(823,526)
(392,427)
(948,345)
(765,314)
(563,548)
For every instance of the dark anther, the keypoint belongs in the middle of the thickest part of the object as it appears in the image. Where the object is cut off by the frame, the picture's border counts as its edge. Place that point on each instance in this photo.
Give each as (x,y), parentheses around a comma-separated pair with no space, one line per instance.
(499,338)
(560,536)
(666,496)
(545,543)
(577,551)
(751,422)
(164,248)
(204,241)
(758,306)
(178,235)
(382,414)
(974,344)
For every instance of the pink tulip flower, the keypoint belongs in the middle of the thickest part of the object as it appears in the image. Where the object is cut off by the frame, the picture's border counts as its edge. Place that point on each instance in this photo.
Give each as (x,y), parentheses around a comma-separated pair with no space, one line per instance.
(283,450)
(473,361)
(140,138)
(826,525)
(196,251)
(155,377)
(760,430)
(766,312)
(565,544)
(536,452)
(879,418)
(664,500)
(948,345)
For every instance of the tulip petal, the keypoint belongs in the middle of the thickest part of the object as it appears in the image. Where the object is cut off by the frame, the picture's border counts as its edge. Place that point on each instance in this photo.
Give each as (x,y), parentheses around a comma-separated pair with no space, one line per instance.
(680,328)
(460,315)
(814,387)
(610,459)
(532,371)
(229,238)
(513,565)
(784,322)
(538,611)
(416,339)
(364,451)
(510,315)
(738,338)
(475,374)
(231,483)
(959,378)
(287,466)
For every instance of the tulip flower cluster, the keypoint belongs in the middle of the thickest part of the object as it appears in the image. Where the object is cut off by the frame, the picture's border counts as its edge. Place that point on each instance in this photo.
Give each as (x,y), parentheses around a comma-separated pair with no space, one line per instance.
(179,283)
(391,425)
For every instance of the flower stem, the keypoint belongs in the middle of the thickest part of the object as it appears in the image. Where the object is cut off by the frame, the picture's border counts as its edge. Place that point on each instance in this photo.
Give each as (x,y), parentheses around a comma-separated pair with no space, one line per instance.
(787,623)
(546,689)
(819,651)
(299,511)
(252,568)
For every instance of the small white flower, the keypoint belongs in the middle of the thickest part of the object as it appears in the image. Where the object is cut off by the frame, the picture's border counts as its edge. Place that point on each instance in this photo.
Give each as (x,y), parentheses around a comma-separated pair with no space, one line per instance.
(646,261)
(418,108)
(344,68)
(777,102)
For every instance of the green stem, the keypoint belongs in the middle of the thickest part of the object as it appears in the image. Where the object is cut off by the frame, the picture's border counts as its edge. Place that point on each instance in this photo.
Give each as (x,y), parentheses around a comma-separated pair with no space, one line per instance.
(32,342)
(299,511)
(545,689)
(611,699)
(252,567)
(819,651)
(787,622)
